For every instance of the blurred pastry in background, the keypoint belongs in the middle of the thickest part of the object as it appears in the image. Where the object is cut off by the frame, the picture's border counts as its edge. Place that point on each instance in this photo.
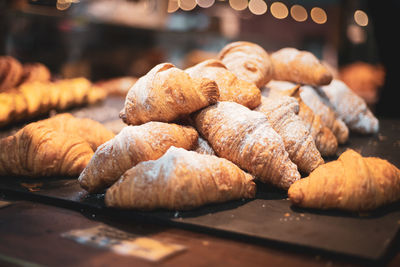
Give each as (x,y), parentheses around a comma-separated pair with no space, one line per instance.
(117,86)
(364,79)
(196,56)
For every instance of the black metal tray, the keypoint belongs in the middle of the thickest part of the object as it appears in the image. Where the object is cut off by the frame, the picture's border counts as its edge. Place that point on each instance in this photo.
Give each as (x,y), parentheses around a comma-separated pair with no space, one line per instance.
(270,216)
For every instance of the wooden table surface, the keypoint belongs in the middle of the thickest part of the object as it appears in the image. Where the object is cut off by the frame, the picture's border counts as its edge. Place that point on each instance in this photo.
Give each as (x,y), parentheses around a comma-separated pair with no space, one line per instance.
(30,235)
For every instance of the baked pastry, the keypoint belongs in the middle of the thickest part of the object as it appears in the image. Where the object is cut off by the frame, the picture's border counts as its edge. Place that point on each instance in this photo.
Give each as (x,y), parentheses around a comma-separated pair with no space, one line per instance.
(93,132)
(351,108)
(35,72)
(248,61)
(131,146)
(117,86)
(10,72)
(324,139)
(180,180)
(328,116)
(298,66)
(282,115)
(203,147)
(53,147)
(352,183)
(165,94)
(35,98)
(230,87)
(246,138)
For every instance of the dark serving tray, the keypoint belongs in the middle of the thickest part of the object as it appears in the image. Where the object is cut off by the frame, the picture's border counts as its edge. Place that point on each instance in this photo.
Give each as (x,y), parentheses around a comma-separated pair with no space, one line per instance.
(270,216)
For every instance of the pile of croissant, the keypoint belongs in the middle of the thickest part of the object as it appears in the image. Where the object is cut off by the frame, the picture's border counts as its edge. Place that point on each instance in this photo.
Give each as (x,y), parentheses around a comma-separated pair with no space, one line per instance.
(204,134)
(26,91)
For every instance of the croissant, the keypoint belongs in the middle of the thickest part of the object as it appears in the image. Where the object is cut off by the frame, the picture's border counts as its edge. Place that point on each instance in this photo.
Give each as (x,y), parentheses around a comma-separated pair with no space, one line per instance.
(165,94)
(351,108)
(352,183)
(230,87)
(180,180)
(324,139)
(10,72)
(247,139)
(203,147)
(117,86)
(35,72)
(35,98)
(38,150)
(248,61)
(298,66)
(282,115)
(93,132)
(131,146)
(328,116)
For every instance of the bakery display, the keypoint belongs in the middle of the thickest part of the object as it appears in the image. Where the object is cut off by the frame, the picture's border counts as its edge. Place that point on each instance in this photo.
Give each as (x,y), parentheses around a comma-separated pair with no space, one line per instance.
(194,134)
(231,88)
(248,61)
(49,148)
(352,183)
(351,108)
(166,93)
(37,98)
(13,73)
(298,66)
(180,180)
(132,145)
(246,138)
(282,115)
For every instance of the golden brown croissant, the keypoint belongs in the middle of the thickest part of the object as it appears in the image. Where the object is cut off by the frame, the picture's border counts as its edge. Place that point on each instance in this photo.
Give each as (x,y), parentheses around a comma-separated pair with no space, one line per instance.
(91,131)
(324,139)
(230,87)
(351,108)
(35,72)
(246,138)
(10,72)
(352,183)
(248,61)
(298,66)
(38,150)
(131,146)
(165,94)
(282,115)
(328,116)
(180,180)
(34,98)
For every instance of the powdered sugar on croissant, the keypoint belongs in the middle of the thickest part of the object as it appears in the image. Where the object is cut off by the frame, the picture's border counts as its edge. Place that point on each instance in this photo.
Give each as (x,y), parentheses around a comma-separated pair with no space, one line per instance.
(247,139)
(351,108)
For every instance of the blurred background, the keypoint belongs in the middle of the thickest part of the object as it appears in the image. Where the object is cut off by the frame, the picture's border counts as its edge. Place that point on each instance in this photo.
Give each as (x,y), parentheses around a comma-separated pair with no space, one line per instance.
(103,39)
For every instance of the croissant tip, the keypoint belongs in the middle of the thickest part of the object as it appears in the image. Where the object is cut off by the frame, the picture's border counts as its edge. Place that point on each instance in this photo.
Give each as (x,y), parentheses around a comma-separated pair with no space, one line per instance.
(296,196)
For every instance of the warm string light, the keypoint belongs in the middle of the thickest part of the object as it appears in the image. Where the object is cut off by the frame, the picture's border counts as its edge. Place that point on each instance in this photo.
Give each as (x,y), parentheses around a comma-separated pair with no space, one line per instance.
(298,13)
(205,3)
(361,18)
(279,10)
(172,6)
(257,7)
(238,4)
(187,5)
(318,15)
